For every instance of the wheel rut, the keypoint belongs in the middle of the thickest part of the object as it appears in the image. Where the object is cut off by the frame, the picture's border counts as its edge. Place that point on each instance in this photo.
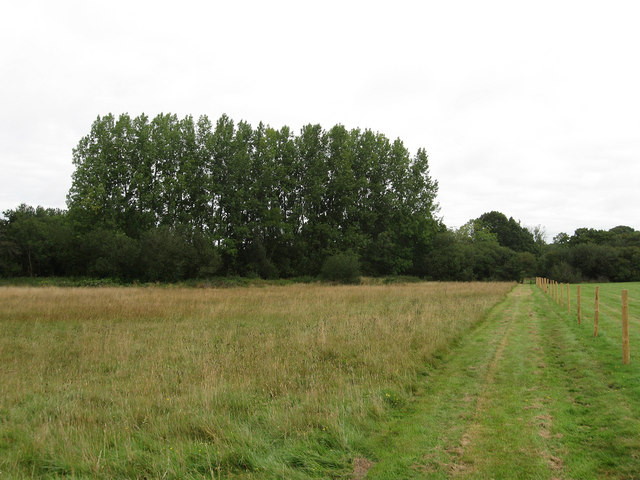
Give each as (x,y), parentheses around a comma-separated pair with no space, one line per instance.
(486,403)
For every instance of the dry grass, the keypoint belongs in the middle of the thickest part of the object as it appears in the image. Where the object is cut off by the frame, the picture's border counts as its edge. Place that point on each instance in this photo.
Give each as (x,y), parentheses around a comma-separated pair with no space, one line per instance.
(188,382)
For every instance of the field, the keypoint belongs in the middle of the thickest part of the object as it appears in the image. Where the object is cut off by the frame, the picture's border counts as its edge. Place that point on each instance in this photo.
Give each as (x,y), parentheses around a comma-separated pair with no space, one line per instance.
(610,304)
(274,382)
(530,393)
(610,313)
(384,382)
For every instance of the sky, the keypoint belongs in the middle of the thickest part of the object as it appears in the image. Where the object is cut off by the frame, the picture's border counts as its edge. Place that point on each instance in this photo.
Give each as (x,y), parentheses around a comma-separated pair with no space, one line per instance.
(528,108)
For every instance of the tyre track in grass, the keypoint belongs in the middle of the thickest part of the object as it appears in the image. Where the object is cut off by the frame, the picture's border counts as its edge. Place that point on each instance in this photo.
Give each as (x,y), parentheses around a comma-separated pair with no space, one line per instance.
(513,420)
(597,398)
(484,398)
(524,395)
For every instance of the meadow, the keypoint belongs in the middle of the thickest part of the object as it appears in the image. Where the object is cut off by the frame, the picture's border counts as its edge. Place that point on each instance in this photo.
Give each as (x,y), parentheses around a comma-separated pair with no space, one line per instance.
(530,393)
(162,382)
(610,313)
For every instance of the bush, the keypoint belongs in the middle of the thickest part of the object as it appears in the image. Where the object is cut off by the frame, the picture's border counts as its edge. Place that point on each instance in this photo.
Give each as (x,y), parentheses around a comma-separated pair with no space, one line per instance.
(163,255)
(341,268)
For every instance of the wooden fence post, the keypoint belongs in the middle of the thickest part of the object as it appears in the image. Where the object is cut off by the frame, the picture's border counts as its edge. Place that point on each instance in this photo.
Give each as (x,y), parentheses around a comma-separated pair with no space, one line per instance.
(561,294)
(625,327)
(579,307)
(568,299)
(596,315)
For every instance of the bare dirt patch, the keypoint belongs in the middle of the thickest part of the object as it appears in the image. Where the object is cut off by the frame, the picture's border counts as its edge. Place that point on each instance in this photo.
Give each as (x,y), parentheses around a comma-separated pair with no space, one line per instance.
(361,467)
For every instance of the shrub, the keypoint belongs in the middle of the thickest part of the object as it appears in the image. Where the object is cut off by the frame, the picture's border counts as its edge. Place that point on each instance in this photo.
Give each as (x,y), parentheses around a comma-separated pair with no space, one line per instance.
(341,268)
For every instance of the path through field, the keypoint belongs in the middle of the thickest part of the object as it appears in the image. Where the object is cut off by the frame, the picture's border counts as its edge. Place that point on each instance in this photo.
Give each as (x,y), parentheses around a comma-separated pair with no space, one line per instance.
(525,395)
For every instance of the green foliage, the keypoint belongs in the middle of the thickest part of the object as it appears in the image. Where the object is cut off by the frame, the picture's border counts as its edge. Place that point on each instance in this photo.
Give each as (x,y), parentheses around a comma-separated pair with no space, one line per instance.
(169,199)
(590,254)
(163,255)
(274,203)
(341,268)
(35,242)
(509,233)
(9,253)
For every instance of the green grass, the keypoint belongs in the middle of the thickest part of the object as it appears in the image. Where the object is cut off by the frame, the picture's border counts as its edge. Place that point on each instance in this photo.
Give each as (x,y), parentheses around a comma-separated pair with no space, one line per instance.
(528,394)
(402,381)
(610,317)
(271,382)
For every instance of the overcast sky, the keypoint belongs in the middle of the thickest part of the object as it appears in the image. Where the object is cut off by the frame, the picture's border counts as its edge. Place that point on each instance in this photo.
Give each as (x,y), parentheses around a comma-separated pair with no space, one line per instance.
(528,108)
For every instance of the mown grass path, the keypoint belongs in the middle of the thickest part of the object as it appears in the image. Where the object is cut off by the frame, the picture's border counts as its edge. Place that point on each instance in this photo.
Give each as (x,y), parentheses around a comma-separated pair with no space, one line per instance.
(527,394)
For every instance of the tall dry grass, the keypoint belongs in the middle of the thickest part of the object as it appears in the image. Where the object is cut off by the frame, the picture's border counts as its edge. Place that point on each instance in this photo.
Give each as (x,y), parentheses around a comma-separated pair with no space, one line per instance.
(253,382)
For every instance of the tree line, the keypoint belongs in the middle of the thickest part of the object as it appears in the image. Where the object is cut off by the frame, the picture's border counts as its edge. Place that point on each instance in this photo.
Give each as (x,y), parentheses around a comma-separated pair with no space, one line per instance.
(592,254)
(168,199)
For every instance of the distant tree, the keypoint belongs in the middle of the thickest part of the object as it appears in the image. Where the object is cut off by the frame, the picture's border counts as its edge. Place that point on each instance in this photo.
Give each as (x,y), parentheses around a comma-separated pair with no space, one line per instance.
(9,252)
(561,239)
(539,237)
(589,235)
(448,258)
(267,202)
(510,233)
(163,255)
(342,268)
(39,240)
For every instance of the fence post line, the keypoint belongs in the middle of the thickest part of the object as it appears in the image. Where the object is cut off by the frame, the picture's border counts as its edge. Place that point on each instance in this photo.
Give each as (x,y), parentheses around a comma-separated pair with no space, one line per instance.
(625,327)
(569,298)
(579,307)
(596,315)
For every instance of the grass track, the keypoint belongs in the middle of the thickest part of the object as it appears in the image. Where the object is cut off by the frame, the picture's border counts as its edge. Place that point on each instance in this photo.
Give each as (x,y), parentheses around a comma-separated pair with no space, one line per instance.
(528,394)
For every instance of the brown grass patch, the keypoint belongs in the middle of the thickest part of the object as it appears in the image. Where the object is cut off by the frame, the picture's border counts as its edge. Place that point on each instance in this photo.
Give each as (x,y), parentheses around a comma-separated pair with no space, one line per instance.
(96,376)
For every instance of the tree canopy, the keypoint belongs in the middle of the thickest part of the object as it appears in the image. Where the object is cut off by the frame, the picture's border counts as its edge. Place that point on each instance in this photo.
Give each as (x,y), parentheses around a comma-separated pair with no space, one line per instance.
(170,198)
(260,201)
